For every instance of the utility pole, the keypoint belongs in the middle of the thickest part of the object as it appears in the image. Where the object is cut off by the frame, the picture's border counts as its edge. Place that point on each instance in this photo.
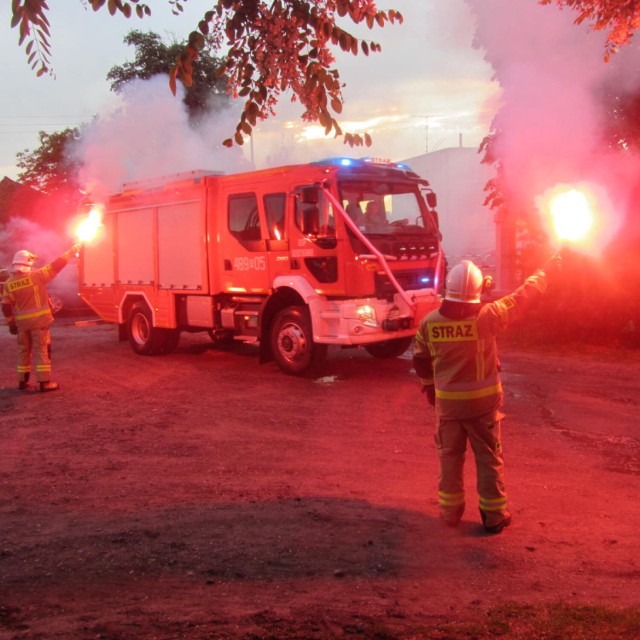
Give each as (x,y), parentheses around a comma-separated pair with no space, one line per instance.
(426,126)
(426,136)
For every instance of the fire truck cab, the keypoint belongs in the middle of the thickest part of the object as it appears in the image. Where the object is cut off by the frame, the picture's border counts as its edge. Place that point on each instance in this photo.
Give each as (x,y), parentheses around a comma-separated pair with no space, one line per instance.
(336,252)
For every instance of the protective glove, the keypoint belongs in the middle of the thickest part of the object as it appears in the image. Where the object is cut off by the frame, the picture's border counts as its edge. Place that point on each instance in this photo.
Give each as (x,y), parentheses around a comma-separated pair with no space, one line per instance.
(13,329)
(553,265)
(430,392)
(71,253)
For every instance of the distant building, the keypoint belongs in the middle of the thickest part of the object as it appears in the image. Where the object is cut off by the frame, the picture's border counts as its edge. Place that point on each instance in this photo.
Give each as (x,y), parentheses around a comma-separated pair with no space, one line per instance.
(19,201)
(458,178)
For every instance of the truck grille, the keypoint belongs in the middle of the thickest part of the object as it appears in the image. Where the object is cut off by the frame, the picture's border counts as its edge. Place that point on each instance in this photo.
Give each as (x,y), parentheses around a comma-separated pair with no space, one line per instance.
(407,248)
(408,279)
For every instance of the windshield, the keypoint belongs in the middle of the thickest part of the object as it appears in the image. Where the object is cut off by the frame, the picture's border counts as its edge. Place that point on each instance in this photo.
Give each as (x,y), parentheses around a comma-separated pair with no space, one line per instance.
(392,215)
(386,208)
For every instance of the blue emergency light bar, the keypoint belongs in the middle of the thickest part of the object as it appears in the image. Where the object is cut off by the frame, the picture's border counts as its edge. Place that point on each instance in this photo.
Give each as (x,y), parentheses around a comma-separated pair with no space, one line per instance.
(360,162)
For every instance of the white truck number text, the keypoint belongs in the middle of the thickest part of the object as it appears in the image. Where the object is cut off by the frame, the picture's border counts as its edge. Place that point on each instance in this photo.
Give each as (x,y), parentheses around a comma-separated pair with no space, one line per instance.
(253,263)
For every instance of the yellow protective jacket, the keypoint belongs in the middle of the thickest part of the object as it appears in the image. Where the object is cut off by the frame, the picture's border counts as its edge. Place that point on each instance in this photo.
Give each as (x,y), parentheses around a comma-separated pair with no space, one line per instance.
(459,356)
(26,295)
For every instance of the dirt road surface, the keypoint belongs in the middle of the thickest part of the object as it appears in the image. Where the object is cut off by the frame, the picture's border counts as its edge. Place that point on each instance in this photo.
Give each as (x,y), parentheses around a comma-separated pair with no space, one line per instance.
(202,495)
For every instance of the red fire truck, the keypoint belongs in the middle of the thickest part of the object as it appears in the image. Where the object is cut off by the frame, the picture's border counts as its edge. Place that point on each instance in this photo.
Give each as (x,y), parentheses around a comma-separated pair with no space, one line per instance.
(296,258)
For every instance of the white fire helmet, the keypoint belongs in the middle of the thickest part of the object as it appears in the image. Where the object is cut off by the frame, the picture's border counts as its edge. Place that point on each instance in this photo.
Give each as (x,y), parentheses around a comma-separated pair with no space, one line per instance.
(23,260)
(464,283)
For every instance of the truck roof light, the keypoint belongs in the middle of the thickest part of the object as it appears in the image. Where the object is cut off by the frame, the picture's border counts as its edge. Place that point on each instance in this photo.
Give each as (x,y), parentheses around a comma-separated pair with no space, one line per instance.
(337,161)
(360,162)
(386,162)
(370,160)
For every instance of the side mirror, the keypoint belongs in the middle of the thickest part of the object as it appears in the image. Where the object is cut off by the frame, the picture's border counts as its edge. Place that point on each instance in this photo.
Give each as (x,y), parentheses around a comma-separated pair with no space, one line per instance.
(311,221)
(432,200)
(310,195)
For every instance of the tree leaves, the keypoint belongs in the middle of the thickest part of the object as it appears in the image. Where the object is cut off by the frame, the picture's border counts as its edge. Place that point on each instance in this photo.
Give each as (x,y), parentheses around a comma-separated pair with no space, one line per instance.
(621,17)
(357,140)
(274,47)
(33,25)
(285,46)
(50,169)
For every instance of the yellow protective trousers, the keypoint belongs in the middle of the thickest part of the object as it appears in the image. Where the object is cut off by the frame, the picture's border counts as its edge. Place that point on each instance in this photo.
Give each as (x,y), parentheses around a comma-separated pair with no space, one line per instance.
(38,342)
(483,433)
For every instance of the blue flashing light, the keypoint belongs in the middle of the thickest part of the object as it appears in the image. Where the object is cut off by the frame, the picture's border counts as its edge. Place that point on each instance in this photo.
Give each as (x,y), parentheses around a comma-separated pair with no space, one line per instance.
(342,161)
(425,280)
(337,161)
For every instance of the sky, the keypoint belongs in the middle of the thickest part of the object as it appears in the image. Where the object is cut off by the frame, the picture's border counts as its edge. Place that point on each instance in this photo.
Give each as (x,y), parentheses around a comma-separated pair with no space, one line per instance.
(428,89)
(442,78)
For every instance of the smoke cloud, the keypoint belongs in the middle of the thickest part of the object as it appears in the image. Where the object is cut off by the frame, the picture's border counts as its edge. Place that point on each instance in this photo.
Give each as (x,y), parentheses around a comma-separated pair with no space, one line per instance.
(21,233)
(551,119)
(145,133)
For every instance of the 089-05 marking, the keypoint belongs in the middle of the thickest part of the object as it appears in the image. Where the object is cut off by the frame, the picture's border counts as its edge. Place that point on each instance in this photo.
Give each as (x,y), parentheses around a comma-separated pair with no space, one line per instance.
(253,263)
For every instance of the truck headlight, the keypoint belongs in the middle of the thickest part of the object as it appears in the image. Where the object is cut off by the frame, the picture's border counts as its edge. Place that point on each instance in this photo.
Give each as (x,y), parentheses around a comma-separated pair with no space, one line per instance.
(367,315)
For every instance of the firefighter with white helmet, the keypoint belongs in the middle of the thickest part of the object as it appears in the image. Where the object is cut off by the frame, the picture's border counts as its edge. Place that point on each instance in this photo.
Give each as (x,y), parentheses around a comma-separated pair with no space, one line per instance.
(23,260)
(455,356)
(25,304)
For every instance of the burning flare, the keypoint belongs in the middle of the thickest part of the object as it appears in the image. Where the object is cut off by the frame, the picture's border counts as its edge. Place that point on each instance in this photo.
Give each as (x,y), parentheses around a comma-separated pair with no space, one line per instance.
(578,214)
(89,227)
(572,215)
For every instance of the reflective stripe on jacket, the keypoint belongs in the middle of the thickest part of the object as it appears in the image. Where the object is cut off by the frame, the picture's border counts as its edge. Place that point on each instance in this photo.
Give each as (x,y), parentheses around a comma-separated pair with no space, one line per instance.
(462,353)
(27,295)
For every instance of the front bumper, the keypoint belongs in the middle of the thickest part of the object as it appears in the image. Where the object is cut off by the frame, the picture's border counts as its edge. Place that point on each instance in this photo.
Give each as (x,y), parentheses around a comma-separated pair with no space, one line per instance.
(368,320)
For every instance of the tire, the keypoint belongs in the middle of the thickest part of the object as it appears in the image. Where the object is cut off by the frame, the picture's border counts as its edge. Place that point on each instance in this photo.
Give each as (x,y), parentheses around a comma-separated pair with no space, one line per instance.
(292,343)
(144,338)
(389,348)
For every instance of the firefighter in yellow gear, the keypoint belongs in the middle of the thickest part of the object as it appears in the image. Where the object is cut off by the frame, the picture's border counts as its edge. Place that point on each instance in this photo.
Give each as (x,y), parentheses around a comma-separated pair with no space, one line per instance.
(455,356)
(25,305)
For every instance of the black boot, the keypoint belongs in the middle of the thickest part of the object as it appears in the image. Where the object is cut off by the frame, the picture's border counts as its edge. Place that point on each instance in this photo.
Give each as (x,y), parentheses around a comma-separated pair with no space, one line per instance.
(23,385)
(48,386)
(496,526)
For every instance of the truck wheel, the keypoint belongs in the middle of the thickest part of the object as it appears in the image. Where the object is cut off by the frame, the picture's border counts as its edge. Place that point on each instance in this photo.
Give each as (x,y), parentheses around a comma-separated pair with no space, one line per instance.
(292,342)
(144,338)
(389,348)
